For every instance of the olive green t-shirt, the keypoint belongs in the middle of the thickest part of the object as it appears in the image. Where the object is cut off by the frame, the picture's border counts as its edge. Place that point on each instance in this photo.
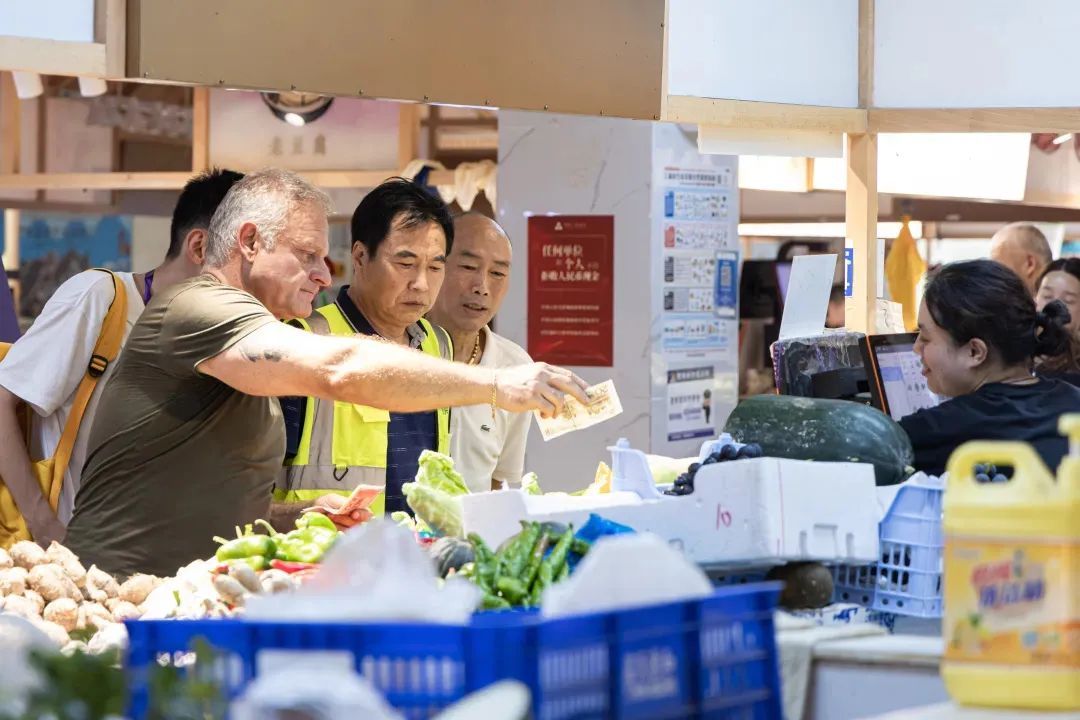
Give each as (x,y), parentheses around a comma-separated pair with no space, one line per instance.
(176,457)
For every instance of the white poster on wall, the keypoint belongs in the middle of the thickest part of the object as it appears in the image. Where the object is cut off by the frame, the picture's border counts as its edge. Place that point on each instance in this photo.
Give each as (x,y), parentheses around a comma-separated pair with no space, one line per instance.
(695,292)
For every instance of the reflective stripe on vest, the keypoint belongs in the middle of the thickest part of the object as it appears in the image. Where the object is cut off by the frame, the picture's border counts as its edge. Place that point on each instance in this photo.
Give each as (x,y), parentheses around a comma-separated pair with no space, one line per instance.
(342,445)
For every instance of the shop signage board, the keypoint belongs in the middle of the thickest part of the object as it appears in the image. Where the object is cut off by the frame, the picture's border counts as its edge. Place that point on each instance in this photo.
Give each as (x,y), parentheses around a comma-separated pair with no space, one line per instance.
(571,289)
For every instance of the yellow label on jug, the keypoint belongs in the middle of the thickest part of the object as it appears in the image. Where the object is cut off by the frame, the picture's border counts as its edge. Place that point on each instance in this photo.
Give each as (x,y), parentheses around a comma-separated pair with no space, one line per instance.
(1012,602)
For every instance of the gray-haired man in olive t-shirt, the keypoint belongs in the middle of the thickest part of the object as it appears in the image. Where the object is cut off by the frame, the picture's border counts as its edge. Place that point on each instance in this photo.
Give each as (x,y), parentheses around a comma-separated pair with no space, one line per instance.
(188,437)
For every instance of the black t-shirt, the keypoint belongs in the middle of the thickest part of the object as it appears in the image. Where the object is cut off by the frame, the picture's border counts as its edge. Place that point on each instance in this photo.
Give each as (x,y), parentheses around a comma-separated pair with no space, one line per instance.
(997,411)
(1073,378)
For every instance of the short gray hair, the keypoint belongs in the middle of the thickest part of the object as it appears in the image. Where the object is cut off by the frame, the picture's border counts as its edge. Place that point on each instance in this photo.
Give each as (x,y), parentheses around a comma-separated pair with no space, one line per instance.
(266,199)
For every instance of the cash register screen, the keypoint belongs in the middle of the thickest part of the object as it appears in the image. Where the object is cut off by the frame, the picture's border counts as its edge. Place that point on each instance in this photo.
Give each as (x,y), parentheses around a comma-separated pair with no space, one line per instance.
(897,385)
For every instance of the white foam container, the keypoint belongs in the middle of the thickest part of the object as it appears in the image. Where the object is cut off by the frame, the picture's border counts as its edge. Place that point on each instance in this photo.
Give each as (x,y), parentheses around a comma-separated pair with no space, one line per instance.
(742,513)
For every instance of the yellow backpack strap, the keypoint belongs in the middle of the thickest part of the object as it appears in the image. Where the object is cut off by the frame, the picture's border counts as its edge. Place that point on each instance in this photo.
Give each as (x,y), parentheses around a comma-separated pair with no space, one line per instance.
(105,351)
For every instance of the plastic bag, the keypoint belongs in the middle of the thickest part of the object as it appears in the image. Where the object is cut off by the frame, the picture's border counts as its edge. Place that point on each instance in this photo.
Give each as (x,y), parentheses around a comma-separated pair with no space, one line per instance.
(375,572)
(310,689)
(18,678)
(626,570)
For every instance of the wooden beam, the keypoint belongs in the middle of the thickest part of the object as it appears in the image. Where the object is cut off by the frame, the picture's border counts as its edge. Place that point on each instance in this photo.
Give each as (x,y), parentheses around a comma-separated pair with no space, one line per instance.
(860,215)
(9,125)
(866,53)
(531,57)
(1023,120)
(53,57)
(177,180)
(408,133)
(200,130)
(113,26)
(762,115)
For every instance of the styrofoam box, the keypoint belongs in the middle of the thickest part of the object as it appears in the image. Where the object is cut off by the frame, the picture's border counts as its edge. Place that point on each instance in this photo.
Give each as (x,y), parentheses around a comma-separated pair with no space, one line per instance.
(764,511)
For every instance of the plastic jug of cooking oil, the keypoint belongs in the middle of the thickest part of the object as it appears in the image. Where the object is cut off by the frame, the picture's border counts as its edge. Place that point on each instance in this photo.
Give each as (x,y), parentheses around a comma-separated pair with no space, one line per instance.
(1012,578)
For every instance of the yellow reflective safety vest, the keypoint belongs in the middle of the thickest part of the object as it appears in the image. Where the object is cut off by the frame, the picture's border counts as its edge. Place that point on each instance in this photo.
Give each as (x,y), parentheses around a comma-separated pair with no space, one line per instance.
(342,445)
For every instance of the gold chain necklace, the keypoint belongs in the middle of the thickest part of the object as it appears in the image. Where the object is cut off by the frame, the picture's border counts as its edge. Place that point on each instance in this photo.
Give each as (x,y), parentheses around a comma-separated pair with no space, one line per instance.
(475,351)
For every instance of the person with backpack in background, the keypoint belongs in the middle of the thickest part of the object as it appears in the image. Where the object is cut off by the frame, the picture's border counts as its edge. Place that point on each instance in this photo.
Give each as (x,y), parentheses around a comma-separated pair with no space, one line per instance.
(58,370)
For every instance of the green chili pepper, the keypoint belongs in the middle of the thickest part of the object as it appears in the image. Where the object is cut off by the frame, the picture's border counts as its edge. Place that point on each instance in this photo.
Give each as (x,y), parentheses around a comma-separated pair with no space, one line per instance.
(564,572)
(486,565)
(579,546)
(536,556)
(315,519)
(512,589)
(518,556)
(243,547)
(557,558)
(494,602)
(543,579)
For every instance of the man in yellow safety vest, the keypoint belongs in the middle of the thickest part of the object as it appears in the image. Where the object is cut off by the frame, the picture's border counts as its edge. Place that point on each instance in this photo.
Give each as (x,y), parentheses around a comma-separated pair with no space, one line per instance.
(401,236)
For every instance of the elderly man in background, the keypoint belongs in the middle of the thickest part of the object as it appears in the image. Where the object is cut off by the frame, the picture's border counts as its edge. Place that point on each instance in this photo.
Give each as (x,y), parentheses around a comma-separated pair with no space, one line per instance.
(488,452)
(189,438)
(1022,248)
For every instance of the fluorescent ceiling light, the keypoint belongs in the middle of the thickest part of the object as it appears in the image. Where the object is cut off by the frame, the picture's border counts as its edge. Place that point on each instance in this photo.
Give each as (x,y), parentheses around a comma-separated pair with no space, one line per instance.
(821,230)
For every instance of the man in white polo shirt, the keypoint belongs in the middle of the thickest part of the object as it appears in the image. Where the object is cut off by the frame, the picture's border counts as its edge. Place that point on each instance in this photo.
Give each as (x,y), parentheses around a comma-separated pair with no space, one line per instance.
(487,452)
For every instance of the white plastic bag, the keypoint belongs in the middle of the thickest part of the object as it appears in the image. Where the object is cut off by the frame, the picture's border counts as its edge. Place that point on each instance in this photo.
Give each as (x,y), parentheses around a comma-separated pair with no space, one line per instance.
(375,572)
(312,691)
(18,638)
(623,571)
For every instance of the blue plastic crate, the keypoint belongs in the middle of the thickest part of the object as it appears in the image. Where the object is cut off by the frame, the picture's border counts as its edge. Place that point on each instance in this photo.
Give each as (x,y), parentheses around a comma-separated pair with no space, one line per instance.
(711,658)
(907,580)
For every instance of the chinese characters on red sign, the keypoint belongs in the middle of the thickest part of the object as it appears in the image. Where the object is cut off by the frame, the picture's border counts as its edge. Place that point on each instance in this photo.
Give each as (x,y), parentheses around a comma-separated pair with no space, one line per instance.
(571,289)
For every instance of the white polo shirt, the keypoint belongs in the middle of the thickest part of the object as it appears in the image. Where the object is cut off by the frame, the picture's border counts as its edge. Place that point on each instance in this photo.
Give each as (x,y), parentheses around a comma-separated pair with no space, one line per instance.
(483,448)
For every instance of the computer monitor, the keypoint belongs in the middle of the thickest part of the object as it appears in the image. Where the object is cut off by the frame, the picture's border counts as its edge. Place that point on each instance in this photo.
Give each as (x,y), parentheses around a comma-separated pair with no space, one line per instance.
(783,279)
(897,385)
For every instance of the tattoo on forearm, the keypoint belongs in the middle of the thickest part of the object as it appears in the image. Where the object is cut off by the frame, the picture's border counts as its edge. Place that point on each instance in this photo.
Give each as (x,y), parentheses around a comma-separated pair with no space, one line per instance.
(270,355)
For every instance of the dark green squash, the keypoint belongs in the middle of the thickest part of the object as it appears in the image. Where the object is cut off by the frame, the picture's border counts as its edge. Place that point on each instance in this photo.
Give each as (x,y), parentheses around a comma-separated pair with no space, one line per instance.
(450,553)
(801,428)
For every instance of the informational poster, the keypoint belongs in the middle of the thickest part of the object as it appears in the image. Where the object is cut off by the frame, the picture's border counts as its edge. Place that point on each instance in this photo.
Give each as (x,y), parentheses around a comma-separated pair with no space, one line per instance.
(689,403)
(55,246)
(700,282)
(695,372)
(571,289)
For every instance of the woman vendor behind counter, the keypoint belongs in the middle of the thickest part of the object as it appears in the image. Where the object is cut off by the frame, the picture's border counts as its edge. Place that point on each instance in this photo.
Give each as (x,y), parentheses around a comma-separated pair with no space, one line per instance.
(979,333)
(1061,281)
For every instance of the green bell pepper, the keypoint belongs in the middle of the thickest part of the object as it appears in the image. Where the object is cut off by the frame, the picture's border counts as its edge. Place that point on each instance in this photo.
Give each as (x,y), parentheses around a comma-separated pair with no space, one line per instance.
(307,545)
(315,519)
(245,547)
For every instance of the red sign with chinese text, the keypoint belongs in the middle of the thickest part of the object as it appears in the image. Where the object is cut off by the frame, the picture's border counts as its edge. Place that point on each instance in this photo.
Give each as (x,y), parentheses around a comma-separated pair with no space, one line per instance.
(572,289)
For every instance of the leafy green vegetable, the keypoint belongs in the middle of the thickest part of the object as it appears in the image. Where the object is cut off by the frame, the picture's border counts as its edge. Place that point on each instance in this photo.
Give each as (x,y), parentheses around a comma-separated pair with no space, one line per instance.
(437,471)
(531,484)
(438,509)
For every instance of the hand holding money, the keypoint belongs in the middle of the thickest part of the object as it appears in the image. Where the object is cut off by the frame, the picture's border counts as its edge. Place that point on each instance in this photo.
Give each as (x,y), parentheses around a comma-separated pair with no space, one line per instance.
(540,387)
(602,404)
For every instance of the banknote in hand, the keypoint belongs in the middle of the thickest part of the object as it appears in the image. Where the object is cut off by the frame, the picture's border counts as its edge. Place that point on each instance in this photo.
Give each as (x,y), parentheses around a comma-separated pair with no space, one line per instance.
(603,405)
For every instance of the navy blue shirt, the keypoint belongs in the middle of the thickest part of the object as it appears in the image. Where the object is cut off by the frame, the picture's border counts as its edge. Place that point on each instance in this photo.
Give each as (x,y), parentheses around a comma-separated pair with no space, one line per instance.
(996,411)
(407,435)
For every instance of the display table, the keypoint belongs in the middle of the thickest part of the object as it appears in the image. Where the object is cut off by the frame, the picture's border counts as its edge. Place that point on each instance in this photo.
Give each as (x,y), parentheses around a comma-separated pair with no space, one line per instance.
(866,676)
(950,711)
